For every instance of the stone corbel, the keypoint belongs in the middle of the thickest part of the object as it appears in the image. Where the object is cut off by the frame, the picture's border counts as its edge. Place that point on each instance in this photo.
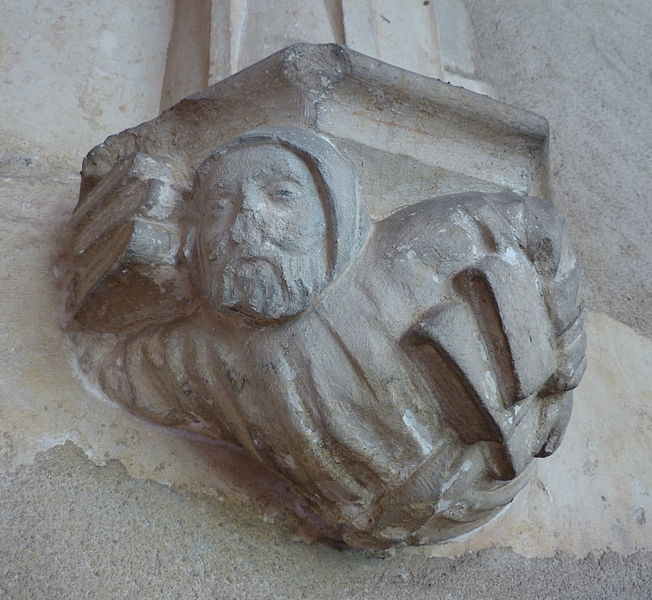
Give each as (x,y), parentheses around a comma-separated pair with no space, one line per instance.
(341,267)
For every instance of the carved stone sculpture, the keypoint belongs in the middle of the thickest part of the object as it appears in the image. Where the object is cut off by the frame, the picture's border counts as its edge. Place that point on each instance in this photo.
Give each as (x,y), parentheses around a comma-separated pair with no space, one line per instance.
(400,372)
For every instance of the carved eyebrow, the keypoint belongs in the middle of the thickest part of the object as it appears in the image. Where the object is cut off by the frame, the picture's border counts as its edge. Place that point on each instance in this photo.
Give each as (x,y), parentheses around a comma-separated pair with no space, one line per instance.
(287,181)
(282,177)
(277,172)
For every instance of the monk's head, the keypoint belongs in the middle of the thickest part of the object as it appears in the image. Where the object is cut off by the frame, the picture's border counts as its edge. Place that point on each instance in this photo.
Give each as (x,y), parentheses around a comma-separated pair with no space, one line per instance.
(271,227)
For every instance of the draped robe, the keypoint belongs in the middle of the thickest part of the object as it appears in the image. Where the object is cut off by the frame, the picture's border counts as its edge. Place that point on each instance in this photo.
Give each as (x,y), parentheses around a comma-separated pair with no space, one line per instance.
(412,395)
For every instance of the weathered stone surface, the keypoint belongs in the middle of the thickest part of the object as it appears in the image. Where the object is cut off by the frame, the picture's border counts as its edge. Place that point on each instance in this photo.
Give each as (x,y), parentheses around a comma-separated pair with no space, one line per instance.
(597,103)
(386,121)
(212,39)
(71,529)
(590,496)
(581,64)
(207,286)
(63,84)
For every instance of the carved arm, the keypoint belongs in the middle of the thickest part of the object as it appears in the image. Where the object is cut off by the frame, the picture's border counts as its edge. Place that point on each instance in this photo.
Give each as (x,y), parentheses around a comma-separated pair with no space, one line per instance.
(126,241)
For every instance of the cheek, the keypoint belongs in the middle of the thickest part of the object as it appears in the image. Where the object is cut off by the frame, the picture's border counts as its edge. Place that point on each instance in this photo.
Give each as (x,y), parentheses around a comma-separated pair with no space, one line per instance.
(303,219)
(298,231)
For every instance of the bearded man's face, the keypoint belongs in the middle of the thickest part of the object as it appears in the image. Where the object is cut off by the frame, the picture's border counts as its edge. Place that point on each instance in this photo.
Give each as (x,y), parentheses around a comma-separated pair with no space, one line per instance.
(261,237)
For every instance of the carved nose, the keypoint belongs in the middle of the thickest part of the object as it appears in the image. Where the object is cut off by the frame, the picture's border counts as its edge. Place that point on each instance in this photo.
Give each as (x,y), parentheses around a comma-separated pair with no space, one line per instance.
(252,199)
(248,225)
(245,229)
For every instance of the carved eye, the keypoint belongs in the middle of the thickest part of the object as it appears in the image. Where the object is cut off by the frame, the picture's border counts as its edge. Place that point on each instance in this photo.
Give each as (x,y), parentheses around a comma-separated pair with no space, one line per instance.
(284,191)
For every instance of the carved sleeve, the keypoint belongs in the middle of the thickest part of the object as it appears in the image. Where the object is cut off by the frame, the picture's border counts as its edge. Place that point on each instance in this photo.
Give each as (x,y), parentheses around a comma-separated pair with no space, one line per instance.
(526,291)
(172,375)
(550,250)
(511,335)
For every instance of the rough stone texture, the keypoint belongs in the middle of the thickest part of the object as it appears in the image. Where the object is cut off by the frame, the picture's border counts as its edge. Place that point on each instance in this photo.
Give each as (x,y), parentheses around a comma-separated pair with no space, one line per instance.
(410,137)
(67,525)
(63,83)
(585,66)
(410,413)
(414,411)
(71,529)
(41,405)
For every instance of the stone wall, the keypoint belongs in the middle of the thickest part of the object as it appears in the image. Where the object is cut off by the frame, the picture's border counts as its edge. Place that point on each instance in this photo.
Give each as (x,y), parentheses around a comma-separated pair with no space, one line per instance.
(94,503)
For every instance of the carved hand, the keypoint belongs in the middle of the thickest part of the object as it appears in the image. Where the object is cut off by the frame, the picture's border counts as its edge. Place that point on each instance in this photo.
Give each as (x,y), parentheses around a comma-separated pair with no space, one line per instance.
(127,227)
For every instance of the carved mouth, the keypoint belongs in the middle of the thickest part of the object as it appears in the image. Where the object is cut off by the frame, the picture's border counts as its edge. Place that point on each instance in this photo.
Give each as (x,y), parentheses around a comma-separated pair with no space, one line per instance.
(254,286)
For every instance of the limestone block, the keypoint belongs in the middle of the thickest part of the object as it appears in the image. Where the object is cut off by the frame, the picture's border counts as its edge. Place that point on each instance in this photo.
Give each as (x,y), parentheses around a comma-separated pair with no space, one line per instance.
(206,279)
(96,536)
(72,73)
(372,112)
(456,51)
(404,34)
(188,60)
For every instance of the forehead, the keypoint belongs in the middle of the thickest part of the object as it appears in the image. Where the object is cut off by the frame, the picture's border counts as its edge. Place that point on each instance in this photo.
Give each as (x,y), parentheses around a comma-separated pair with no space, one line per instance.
(265,160)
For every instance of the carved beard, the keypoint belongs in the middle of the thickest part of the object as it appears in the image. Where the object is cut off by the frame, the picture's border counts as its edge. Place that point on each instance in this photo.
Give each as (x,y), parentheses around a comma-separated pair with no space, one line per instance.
(275,286)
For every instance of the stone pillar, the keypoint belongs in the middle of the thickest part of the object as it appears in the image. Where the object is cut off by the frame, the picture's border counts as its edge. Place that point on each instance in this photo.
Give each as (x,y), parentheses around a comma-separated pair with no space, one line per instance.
(211,39)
